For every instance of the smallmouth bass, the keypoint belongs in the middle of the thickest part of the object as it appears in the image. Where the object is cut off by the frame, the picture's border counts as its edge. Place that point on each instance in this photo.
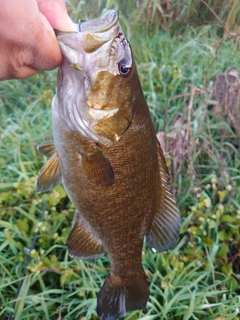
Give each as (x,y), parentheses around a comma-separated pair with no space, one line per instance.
(106,154)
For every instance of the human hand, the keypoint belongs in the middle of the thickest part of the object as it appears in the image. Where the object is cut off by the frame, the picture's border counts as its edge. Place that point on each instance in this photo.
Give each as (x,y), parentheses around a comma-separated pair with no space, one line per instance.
(27,40)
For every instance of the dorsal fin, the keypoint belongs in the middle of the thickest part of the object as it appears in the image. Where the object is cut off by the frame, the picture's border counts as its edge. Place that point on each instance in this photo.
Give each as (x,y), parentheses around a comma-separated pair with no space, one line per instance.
(165,226)
(50,175)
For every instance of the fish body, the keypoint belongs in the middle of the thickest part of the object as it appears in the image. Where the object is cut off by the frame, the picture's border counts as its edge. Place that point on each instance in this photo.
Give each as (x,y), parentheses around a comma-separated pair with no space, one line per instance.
(106,154)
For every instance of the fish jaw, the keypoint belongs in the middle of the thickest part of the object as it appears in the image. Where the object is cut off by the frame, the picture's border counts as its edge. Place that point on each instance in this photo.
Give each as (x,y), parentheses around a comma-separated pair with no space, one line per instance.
(101,24)
(91,57)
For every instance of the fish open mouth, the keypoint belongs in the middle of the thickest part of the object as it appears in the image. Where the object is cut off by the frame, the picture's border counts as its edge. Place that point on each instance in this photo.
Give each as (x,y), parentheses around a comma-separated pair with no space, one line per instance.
(101,24)
(99,31)
(91,54)
(95,33)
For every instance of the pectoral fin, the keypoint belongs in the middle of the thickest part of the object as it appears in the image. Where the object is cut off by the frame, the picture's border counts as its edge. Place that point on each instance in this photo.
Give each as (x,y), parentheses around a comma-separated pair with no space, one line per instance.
(82,243)
(50,175)
(165,227)
(47,148)
(98,168)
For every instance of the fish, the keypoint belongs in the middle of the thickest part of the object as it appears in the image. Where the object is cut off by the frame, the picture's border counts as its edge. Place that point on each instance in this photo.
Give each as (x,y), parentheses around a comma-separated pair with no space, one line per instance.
(106,154)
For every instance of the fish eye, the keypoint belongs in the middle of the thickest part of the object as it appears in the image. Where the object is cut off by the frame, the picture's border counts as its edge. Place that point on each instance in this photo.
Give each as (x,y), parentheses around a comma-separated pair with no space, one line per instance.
(123,69)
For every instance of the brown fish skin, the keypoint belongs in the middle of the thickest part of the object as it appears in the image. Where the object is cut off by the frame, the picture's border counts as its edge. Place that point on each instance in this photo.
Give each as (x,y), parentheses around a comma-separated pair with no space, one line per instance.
(120,189)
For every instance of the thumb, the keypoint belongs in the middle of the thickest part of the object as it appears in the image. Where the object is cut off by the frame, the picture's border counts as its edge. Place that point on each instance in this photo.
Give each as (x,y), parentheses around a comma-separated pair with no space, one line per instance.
(55,12)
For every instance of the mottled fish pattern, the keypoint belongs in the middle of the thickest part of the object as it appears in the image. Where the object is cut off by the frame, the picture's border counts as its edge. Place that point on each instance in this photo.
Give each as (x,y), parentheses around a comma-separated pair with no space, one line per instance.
(106,154)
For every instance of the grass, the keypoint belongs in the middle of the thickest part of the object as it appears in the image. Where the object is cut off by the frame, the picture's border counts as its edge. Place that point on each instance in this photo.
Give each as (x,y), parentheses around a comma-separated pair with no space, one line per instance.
(199,278)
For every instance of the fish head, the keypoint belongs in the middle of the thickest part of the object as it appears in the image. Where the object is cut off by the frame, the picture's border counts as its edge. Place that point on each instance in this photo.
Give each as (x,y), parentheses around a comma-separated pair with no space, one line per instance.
(96,78)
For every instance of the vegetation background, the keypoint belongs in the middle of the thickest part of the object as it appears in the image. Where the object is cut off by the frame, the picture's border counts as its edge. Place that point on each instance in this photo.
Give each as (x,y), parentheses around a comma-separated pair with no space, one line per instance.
(187,52)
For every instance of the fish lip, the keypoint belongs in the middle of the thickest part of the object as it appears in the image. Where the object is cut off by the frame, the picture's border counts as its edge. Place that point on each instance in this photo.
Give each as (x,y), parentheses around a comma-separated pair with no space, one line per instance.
(92,104)
(101,24)
(91,36)
(98,114)
(99,108)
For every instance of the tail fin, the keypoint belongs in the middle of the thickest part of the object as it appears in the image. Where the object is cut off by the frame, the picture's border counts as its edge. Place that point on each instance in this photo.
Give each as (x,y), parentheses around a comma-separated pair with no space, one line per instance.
(117,296)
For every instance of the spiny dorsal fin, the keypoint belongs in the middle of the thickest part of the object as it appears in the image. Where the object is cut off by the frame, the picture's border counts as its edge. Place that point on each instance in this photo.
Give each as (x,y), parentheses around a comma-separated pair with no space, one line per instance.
(165,227)
(47,148)
(82,242)
(98,169)
(50,175)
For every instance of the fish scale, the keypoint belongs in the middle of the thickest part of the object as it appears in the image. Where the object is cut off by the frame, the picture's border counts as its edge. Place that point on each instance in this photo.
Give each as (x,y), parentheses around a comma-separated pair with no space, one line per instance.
(106,154)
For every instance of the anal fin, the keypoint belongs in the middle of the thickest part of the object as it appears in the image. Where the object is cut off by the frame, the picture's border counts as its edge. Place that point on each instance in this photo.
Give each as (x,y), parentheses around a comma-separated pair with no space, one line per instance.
(165,226)
(82,242)
(50,174)
(47,148)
